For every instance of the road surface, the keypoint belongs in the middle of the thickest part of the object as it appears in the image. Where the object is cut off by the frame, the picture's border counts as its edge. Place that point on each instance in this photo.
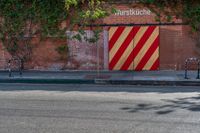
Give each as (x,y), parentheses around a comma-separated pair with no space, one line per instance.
(26,108)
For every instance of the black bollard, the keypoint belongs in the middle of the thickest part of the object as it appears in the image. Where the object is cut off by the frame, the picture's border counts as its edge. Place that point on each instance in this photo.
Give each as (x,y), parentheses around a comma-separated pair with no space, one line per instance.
(186,68)
(9,68)
(20,67)
(198,72)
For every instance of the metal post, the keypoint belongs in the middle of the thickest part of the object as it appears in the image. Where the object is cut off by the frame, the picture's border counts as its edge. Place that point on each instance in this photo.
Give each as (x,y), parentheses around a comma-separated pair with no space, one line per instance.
(9,68)
(198,73)
(198,66)
(20,67)
(186,67)
(98,60)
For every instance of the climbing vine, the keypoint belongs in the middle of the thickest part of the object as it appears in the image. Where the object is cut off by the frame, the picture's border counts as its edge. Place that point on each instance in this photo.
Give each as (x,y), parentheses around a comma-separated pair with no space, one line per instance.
(86,12)
(188,10)
(22,20)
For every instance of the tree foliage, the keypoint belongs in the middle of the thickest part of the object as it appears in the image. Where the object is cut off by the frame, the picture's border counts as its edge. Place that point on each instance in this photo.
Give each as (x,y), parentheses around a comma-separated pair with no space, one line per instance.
(88,10)
(188,10)
(83,13)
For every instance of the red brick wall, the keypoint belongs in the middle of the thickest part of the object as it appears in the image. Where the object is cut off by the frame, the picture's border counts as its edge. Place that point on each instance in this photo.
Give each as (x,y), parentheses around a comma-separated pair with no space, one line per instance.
(45,56)
(113,19)
(176,44)
(81,56)
(4,56)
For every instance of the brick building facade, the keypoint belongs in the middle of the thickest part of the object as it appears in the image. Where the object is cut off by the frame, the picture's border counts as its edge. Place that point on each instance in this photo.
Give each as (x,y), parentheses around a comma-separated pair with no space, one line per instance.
(176,44)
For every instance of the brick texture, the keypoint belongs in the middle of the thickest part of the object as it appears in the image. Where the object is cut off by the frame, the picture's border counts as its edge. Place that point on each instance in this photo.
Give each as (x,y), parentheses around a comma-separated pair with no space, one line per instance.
(176,45)
(176,42)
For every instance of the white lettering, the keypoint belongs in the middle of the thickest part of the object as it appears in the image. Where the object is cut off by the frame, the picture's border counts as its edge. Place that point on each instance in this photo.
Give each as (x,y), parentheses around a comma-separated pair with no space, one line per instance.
(133,12)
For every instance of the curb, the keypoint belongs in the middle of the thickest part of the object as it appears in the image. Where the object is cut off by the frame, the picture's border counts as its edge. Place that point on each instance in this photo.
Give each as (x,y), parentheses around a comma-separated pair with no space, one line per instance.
(47,81)
(148,82)
(101,82)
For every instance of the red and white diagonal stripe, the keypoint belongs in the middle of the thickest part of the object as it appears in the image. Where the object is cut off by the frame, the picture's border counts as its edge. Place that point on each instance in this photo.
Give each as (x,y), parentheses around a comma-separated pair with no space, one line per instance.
(134,48)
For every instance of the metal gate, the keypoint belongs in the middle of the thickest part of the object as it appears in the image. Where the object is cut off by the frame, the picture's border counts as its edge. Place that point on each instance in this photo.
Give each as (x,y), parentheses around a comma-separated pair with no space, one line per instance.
(134,48)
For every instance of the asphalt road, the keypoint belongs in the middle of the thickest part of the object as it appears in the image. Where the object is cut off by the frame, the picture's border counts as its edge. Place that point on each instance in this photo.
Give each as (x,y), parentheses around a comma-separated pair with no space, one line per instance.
(98,109)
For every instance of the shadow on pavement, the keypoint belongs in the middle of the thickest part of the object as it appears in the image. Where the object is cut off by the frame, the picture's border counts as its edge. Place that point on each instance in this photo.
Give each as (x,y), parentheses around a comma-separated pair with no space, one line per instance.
(189,104)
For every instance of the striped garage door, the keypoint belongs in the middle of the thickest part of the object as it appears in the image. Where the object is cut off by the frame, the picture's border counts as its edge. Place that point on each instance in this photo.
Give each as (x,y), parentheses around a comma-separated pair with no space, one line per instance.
(134,48)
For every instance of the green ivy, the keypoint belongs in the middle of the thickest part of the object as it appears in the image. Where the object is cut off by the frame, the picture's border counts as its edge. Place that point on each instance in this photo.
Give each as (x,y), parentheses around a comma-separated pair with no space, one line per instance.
(63,51)
(86,12)
(20,20)
(188,10)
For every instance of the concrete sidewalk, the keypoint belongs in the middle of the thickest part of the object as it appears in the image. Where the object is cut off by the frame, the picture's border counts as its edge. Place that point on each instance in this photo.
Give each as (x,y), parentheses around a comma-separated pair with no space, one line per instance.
(172,78)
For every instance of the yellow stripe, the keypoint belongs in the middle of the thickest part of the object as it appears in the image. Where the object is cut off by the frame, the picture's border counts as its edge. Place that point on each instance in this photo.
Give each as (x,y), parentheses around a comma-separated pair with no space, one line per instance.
(131,66)
(124,57)
(136,39)
(119,42)
(146,47)
(139,34)
(129,50)
(151,61)
(112,31)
